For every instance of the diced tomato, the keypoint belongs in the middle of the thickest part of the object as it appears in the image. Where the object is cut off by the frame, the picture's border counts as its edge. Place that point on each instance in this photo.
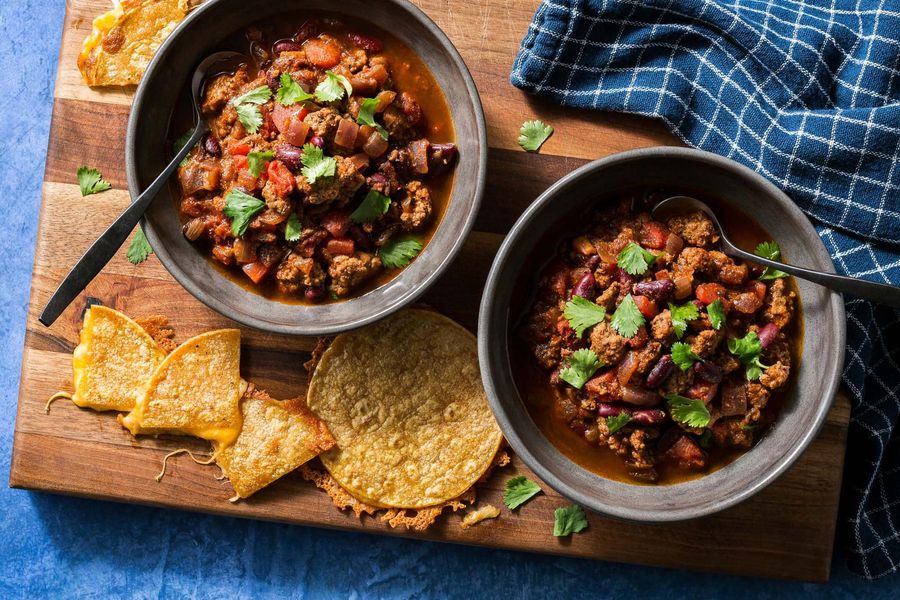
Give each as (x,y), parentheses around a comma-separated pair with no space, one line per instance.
(323,54)
(562,327)
(759,288)
(281,178)
(256,271)
(246,180)
(708,292)
(339,246)
(647,306)
(653,235)
(240,161)
(662,274)
(337,222)
(239,148)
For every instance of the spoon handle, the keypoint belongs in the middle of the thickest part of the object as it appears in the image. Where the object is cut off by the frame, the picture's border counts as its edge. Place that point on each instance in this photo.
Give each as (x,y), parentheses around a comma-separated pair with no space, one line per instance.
(879,293)
(102,250)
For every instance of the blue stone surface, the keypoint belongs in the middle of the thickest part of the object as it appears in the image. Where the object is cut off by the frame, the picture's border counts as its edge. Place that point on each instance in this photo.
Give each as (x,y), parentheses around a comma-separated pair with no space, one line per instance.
(55,547)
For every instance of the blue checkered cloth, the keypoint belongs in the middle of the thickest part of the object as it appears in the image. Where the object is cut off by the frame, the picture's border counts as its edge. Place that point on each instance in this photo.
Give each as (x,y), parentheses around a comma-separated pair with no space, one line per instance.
(808,96)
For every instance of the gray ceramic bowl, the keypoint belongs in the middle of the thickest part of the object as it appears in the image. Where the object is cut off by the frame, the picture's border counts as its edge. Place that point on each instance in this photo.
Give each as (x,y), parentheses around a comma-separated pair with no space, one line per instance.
(515,268)
(147,151)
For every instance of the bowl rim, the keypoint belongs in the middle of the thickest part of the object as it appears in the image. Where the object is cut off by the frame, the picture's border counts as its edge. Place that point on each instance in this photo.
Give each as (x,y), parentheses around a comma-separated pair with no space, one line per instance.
(490,312)
(307,326)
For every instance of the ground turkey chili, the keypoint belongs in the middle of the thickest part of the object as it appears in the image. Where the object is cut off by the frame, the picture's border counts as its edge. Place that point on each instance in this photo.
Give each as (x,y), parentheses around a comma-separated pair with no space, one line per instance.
(317,178)
(659,348)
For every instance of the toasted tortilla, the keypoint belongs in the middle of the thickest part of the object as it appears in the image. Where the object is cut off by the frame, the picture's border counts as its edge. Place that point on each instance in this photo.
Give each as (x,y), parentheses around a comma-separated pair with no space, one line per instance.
(114,361)
(195,391)
(124,40)
(404,401)
(276,437)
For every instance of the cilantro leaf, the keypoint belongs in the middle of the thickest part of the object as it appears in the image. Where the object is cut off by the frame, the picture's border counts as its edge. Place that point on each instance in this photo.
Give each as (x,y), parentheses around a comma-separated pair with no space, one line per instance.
(617,422)
(582,313)
(367,116)
(290,91)
(256,161)
(292,228)
(568,520)
(683,356)
(316,164)
(771,251)
(688,411)
(247,107)
(240,208)
(91,181)
(139,249)
(681,315)
(627,319)
(634,260)
(399,251)
(582,364)
(373,206)
(333,87)
(519,490)
(179,143)
(533,134)
(716,312)
(748,350)
(258,95)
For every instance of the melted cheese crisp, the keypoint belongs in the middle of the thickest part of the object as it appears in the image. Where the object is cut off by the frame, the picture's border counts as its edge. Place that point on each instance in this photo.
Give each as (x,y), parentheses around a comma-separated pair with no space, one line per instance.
(114,361)
(195,391)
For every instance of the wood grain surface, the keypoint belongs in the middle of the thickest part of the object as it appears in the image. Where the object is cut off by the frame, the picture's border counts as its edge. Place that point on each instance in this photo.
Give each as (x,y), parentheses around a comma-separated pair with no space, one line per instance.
(786,531)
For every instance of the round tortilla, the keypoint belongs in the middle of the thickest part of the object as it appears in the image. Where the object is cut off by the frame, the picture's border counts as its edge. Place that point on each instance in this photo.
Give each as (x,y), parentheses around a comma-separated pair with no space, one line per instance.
(405,403)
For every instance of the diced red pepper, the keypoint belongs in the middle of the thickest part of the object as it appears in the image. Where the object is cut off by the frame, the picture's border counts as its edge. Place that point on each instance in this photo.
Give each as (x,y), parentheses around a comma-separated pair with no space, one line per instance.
(708,292)
(240,161)
(336,246)
(647,306)
(256,271)
(239,148)
(653,235)
(281,178)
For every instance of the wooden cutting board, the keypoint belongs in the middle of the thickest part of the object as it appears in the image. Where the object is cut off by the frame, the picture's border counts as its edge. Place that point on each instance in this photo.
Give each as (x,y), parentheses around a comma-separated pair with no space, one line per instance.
(786,531)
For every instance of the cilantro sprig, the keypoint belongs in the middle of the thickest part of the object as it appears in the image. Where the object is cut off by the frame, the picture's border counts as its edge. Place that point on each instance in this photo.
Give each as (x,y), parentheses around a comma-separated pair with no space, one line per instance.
(582,365)
(617,422)
(627,319)
(582,314)
(634,260)
(292,229)
(367,116)
(315,164)
(240,208)
(139,249)
(683,356)
(90,181)
(748,350)
(290,91)
(519,490)
(716,312)
(533,134)
(399,251)
(681,315)
(247,107)
(333,87)
(688,411)
(568,520)
(772,251)
(373,206)
(256,161)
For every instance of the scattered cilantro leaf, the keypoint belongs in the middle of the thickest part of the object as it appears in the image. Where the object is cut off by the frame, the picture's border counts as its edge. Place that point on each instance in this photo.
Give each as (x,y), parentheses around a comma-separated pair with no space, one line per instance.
(582,313)
(681,315)
(683,356)
(91,181)
(292,228)
(139,249)
(688,411)
(533,134)
(367,116)
(258,95)
(256,161)
(748,350)
(771,251)
(373,206)
(290,91)
(634,260)
(399,251)
(179,143)
(627,319)
(240,208)
(316,164)
(519,490)
(333,87)
(716,312)
(568,520)
(582,364)
(617,422)
(247,107)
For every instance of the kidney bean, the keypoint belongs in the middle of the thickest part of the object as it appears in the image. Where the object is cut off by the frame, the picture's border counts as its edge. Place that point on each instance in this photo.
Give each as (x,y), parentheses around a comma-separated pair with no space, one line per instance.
(586,287)
(624,278)
(317,141)
(290,156)
(285,46)
(314,294)
(648,416)
(659,290)
(211,145)
(259,54)
(441,157)
(309,28)
(610,410)
(767,334)
(363,242)
(366,42)
(660,371)
(708,371)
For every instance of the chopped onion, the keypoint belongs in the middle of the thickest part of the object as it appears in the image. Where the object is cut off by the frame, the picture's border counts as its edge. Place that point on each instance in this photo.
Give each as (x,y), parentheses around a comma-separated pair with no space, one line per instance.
(345,136)
(418,151)
(384,100)
(360,161)
(626,368)
(244,252)
(639,396)
(194,228)
(674,244)
(376,145)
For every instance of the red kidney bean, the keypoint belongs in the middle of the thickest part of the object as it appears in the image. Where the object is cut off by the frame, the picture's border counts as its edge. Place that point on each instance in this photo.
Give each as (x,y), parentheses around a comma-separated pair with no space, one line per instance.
(700,306)
(767,334)
(648,417)
(610,410)
(259,54)
(659,290)
(309,28)
(708,371)
(624,278)
(359,237)
(660,371)
(441,157)
(366,42)
(317,141)
(285,46)
(314,294)
(290,156)
(586,287)
(211,145)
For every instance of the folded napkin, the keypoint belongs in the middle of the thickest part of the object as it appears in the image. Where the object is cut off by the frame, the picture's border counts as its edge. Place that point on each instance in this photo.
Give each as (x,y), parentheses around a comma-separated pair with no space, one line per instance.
(805,95)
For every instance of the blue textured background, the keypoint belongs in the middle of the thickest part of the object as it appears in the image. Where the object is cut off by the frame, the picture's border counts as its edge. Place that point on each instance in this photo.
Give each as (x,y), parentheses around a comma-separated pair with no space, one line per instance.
(63,547)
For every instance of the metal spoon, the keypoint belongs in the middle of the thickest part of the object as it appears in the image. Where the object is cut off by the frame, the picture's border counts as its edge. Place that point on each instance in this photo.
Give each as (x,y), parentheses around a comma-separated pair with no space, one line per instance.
(877,292)
(102,250)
